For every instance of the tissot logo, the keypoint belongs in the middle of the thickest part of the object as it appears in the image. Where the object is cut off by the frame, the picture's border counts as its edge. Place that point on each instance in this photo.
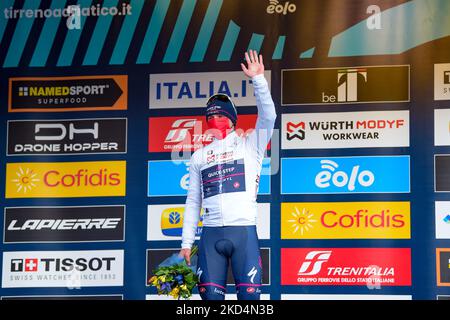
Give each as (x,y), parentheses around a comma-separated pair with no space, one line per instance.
(84,136)
(68,93)
(65,179)
(372,84)
(64,224)
(346,266)
(24,269)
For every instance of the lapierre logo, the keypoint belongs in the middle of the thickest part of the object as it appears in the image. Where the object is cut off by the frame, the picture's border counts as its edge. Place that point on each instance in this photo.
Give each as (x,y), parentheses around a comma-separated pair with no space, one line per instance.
(346,266)
(345,175)
(55,137)
(65,179)
(345,220)
(442,81)
(24,269)
(68,93)
(64,224)
(276,7)
(345,130)
(191,90)
(376,84)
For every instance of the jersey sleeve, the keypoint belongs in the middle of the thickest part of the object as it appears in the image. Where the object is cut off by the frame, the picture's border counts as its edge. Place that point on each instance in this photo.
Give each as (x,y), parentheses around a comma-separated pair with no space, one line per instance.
(193,205)
(259,138)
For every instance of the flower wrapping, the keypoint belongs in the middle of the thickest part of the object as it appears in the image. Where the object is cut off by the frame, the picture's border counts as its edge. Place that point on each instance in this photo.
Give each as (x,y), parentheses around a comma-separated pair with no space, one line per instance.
(174,277)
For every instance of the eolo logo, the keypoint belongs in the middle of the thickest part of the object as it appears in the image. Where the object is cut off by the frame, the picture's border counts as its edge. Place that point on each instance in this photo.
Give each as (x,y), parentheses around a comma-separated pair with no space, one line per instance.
(65,179)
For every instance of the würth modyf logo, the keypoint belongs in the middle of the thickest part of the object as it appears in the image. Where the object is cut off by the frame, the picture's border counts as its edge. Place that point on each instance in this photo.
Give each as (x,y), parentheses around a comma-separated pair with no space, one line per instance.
(295,131)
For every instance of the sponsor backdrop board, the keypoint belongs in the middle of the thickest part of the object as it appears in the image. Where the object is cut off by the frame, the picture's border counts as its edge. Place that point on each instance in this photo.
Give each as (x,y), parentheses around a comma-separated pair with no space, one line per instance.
(355,190)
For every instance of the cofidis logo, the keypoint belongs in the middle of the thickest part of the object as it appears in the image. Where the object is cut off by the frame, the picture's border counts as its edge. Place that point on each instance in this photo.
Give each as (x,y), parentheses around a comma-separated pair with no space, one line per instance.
(56,94)
(65,179)
(373,174)
(342,220)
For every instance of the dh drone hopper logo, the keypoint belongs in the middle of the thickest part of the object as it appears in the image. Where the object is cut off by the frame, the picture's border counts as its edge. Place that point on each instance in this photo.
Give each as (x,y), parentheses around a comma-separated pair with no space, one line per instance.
(172,222)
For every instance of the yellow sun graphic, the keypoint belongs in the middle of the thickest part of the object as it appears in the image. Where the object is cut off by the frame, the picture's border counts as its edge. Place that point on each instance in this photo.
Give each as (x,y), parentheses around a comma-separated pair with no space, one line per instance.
(303,221)
(26,180)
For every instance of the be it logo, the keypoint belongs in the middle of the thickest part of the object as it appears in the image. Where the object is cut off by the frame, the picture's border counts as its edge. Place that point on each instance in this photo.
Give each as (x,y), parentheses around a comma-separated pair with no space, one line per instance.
(313,262)
(295,131)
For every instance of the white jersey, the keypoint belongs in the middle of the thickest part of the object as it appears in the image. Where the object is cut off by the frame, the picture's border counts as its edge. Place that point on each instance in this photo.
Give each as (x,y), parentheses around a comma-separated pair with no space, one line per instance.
(224,175)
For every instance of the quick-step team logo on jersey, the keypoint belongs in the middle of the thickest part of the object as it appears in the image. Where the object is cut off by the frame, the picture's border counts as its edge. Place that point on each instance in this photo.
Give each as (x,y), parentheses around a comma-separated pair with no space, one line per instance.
(345,220)
(171,178)
(369,174)
(65,179)
(223,178)
(346,266)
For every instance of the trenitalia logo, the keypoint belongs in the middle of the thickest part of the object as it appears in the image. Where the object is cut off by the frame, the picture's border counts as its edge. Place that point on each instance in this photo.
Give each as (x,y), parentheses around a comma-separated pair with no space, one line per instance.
(346,266)
(168,134)
(65,179)
(371,129)
(372,84)
(345,220)
(54,94)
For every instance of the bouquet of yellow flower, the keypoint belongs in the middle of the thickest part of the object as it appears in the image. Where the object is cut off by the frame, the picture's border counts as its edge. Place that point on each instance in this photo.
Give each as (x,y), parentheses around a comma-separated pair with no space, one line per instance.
(174,277)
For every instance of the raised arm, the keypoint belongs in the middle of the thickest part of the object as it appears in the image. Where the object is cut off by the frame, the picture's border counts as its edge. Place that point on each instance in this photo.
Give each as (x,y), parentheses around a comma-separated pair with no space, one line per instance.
(266,108)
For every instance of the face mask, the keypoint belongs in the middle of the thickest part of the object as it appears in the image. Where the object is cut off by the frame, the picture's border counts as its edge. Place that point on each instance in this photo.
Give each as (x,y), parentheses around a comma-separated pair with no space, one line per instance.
(221,127)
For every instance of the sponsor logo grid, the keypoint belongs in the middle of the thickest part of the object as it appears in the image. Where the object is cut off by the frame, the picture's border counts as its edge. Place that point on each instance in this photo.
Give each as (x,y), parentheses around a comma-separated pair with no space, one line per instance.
(343,158)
